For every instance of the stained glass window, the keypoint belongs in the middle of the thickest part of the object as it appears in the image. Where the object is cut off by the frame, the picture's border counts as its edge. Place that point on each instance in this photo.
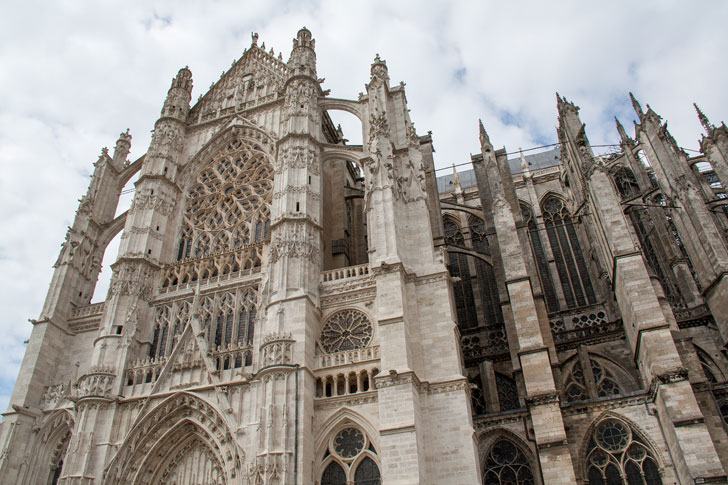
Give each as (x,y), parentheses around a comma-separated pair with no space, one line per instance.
(367,473)
(542,264)
(349,442)
(486,277)
(460,271)
(570,262)
(334,474)
(617,456)
(506,464)
(507,392)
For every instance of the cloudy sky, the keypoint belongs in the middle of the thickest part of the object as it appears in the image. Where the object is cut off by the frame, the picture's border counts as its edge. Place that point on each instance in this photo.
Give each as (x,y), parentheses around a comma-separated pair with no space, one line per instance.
(74,74)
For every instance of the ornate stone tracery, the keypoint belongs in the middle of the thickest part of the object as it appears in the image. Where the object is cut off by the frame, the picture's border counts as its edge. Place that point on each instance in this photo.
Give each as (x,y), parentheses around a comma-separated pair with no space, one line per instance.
(228,206)
(346,330)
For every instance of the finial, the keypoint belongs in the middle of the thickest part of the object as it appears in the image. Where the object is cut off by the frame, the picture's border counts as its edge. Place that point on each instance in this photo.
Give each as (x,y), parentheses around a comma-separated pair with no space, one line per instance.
(254,35)
(635,104)
(377,58)
(524,162)
(456,179)
(703,120)
(483,136)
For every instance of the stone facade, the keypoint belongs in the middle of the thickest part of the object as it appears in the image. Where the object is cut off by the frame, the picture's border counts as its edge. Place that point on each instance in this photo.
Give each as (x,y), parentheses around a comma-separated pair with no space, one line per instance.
(287,308)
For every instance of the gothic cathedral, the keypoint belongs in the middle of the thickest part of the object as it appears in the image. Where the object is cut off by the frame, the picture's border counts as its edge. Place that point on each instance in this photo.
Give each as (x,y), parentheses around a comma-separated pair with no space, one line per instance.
(287,308)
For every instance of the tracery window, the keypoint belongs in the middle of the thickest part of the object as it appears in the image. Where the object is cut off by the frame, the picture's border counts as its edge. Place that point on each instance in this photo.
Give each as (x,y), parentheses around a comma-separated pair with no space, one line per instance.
(169,321)
(228,320)
(542,264)
(460,271)
(486,281)
(570,263)
(346,330)
(350,459)
(575,388)
(507,392)
(228,206)
(617,456)
(506,464)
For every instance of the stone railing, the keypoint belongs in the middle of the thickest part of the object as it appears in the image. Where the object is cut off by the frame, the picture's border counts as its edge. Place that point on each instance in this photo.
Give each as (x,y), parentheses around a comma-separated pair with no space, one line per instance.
(212,268)
(484,342)
(233,356)
(147,371)
(568,326)
(91,310)
(345,383)
(693,317)
(96,382)
(345,273)
(323,361)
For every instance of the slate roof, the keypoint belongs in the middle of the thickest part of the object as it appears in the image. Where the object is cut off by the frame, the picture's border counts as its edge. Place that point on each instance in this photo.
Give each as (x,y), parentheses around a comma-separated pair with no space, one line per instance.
(537,161)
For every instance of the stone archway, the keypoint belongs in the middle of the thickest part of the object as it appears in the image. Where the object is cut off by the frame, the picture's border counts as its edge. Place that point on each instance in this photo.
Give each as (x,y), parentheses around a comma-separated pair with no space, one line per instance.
(184,440)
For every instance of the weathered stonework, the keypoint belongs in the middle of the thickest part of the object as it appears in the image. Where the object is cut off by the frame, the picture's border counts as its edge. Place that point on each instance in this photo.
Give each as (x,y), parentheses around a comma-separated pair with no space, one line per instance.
(289,309)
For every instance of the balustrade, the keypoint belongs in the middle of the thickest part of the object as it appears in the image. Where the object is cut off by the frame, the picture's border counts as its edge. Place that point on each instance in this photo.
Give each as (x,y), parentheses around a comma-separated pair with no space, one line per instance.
(345,273)
(577,324)
(347,357)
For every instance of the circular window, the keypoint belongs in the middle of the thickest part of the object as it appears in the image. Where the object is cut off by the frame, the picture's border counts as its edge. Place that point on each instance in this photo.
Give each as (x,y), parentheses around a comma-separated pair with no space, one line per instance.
(349,442)
(612,435)
(346,330)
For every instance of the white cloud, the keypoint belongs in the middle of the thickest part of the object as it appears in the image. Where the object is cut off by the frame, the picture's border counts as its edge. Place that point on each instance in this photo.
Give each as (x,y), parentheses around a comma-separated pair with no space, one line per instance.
(75,74)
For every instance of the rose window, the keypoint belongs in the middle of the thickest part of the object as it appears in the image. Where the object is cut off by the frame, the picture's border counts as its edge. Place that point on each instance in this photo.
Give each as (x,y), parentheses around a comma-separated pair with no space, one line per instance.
(349,443)
(346,330)
(228,205)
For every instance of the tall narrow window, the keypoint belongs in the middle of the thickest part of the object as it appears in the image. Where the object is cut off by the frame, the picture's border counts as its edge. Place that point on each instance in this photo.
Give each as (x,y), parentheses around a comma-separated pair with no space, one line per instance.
(459,269)
(626,182)
(487,286)
(542,264)
(570,263)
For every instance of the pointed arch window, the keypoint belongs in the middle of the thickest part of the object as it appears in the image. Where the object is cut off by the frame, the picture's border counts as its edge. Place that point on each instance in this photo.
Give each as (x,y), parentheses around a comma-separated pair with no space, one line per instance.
(605,383)
(570,263)
(487,285)
(350,458)
(460,270)
(507,392)
(542,264)
(506,464)
(616,455)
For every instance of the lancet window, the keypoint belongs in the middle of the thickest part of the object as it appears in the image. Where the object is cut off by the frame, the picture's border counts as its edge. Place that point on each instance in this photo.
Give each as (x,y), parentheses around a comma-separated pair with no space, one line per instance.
(570,262)
(228,319)
(616,455)
(460,271)
(169,321)
(350,458)
(505,464)
(487,285)
(228,205)
(542,263)
(507,392)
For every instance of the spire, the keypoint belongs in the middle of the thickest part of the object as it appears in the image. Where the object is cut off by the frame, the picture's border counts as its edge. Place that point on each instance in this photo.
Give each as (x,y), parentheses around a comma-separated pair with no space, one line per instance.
(379,70)
(622,134)
(183,80)
(524,163)
(636,105)
(704,120)
(483,136)
(254,36)
(303,55)
(456,179)
(121,150)
(304,39)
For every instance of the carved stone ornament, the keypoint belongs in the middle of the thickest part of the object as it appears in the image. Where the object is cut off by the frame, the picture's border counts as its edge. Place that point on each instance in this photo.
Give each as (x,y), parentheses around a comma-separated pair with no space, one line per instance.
(277,349)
